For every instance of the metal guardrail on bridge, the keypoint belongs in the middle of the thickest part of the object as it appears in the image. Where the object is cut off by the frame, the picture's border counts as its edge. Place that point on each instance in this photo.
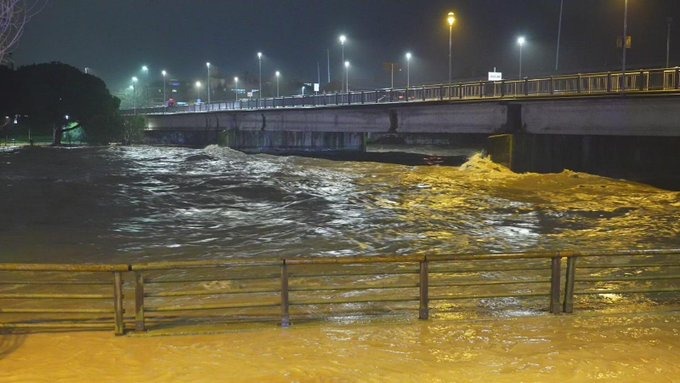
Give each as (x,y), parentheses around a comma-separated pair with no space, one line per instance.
(580,84)
(60,296)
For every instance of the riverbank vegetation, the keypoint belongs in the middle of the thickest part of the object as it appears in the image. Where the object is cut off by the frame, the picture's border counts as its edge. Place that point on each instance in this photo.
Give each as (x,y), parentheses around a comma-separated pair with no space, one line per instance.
(59,100)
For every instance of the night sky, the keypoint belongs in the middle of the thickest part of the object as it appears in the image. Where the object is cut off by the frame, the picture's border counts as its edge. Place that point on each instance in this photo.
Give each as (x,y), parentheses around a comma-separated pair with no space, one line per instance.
(115,38)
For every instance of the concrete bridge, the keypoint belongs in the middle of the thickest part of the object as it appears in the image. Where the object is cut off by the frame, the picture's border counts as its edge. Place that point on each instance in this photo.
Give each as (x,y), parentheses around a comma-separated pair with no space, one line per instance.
(608,123)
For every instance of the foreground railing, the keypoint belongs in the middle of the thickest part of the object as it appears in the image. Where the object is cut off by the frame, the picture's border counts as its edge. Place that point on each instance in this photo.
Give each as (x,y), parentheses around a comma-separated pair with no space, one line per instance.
(168,294)
(580,84)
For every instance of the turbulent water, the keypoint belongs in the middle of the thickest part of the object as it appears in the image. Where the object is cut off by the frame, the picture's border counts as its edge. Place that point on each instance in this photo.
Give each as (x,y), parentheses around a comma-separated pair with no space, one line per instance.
(132,204)
(128,204)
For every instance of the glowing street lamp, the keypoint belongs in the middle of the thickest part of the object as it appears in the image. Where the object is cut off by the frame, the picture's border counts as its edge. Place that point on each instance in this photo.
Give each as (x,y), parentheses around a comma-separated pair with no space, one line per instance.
(134,93)
(520,41)
(347,76)
(165,75)
(208,66)
(259,93)
(277,74)
(198,86)
(145,71)
(342,40)
(450,19)
(235,91)
(408,70)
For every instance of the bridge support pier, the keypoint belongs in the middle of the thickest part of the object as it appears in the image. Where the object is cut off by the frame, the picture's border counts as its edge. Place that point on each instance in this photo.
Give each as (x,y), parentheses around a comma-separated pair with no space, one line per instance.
(652,160)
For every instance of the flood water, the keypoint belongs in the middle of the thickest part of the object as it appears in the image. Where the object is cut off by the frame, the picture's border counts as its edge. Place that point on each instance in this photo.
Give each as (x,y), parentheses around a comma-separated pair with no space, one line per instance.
(140,204)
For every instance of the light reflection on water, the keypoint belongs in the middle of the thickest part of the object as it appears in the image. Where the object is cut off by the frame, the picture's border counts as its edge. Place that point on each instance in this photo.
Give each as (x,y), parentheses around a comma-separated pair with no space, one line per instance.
(148,203)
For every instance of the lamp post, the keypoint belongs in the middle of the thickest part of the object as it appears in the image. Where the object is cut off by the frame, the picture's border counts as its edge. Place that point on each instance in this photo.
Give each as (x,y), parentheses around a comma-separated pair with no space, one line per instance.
(208,66)
(198,90)
(520,41)
(235,91)
(165,100)
(669,21)
(134,93)
(347,77)
(277,74)
(559,35)
(408,70)
(259,92)
(623,45)
(145,87)
(450,19)
(342,39)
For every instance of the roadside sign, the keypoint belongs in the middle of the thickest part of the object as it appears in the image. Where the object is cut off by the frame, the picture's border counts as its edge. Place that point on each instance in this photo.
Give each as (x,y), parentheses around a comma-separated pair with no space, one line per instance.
(495,76)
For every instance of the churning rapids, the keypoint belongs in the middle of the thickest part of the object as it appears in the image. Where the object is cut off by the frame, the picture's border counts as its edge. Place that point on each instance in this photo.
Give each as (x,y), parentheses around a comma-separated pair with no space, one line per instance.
(137,204)
(132,204)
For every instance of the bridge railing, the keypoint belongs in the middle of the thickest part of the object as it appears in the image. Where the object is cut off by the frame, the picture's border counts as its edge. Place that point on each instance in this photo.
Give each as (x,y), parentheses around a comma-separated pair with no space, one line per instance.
(658,80)
(167,294)
(634,81)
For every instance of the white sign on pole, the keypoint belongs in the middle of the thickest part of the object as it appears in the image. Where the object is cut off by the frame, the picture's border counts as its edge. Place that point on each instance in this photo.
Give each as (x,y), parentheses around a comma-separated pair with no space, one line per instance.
(495,76)
(316,86)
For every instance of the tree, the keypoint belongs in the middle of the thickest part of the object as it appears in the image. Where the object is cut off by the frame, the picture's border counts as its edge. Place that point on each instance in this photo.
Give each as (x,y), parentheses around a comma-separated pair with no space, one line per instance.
(14,14)
(48,93)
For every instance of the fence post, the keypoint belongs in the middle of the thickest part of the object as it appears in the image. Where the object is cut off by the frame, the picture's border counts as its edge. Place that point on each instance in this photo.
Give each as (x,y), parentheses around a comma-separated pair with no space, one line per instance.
(285,314)
(139,302)
(677,78)
(441,92)
(119,328)
(502,88)
(363,97)
(555,285)
(424,312)
(642,80)
(578,84)
(609,82)
(423,96)
(460,89)
(526,86)
(552,85)
(569,285)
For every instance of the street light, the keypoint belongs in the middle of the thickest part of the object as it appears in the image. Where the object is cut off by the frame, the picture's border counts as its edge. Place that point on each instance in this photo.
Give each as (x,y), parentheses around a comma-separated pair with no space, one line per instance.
(208,66)
(559,36)
(235,91)
(408,70)
(165,100)
(145,70)
(259,93)
(347,77)
(278,74)
(450,19)
(342,39)
(198,90)
(134,93)
(669,20)
(623,46)
(520,41)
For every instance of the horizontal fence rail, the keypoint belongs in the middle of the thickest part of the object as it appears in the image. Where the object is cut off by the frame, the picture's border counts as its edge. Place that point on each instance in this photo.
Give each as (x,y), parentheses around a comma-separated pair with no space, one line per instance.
(582,84)
(167,294)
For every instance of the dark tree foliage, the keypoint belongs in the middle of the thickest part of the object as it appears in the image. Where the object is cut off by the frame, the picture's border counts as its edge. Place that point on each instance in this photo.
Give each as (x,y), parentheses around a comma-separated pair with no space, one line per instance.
(46,93)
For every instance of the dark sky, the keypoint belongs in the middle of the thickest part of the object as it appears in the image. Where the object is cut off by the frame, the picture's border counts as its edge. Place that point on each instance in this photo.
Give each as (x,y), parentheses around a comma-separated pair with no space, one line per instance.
(116,37)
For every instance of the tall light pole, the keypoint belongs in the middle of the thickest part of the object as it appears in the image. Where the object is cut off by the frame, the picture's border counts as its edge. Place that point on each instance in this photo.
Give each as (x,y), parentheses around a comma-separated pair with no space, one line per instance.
(669,21)
(145,87)
(198,90)
(277,74)
(559,35)
(342,39)
(134,93)
(259,92)
(520,41)
(408,70)
(235,91)
(450,19)
(208,66)
(165,100)
(623,45)
(347,76)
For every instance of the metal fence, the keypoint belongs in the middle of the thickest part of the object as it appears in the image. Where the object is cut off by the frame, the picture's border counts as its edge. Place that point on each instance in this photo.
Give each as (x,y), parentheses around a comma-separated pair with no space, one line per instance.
(170,294)
(636,81)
